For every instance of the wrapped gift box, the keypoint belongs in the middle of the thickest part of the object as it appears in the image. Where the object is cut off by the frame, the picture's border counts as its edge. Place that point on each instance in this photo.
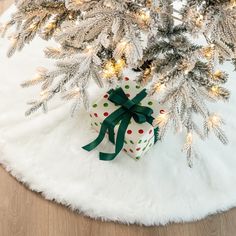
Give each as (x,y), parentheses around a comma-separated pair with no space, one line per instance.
(139,138)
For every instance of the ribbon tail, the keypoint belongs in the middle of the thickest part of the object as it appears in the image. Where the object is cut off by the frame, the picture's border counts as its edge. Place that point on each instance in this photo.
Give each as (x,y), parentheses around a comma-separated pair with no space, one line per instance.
(111,134)
(98,140)
(107,125)
(119,140)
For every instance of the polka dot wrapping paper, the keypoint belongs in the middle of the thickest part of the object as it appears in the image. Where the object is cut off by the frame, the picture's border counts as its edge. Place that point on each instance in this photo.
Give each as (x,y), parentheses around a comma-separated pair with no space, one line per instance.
(139,138)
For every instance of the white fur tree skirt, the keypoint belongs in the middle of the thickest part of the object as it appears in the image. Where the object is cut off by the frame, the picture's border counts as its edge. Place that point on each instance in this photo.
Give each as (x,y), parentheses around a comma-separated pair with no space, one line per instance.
(44,152)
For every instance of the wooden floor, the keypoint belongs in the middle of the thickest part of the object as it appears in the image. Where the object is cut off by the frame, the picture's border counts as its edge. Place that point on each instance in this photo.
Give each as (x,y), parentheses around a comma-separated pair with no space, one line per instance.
(24,213)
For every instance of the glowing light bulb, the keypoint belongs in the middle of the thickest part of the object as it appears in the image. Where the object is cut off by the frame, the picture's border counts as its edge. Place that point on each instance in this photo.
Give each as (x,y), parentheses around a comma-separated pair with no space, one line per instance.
(144,16)
(51,25)
(37,77)
(158,10)
(215,90)
(70,16)
(214,121)
(199,21)
(123,44)
(232,3)
(119,65)
(218,74)
(78,2)
(13,40)
(109,70)
(89,49)
(33,26)
(161,119)
(3,27)
(44,94)
(208,52)
(113,68)
(189,138)
(158,87)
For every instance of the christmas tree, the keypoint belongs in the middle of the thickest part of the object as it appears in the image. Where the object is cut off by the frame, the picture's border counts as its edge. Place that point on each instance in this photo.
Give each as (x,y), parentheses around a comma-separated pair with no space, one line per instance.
(98,39)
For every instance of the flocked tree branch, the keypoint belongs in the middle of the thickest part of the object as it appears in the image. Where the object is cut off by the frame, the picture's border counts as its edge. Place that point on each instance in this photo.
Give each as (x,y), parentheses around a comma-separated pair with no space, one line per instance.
(98,39)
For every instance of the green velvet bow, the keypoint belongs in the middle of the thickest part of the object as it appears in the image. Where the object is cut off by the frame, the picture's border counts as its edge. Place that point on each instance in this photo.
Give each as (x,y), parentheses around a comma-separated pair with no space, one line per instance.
(128,109)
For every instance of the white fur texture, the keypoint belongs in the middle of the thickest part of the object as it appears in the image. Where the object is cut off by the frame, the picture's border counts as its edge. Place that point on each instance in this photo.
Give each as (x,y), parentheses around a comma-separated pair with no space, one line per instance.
(45,153)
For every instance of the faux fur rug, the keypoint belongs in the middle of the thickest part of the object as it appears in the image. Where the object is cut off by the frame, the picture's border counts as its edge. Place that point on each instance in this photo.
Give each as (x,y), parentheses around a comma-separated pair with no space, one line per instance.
(45,153)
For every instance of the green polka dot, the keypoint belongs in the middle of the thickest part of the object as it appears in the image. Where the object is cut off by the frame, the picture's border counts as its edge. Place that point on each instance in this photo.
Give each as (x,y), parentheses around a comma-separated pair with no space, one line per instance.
(150,103)
(137,158)
(145,141)
(126,86)
(106,104)
(96,123)
(91,124)
(95,105)
(131,142)
(150,144)
(125,142)
(139,141)
(144,149)
(138,87)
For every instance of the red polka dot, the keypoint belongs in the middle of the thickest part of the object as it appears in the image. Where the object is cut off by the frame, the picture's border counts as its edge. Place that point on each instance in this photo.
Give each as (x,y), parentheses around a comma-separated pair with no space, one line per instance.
(162,111)
(131,150)
(138,149)
(126,78)
(150,131)
(95,114)
(128,95)
(106,96)
(129,131)
(141,131)
(105,113)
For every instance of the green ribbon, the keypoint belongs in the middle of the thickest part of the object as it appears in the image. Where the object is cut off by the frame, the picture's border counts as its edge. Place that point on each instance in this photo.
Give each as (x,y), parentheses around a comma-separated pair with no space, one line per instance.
(128,109)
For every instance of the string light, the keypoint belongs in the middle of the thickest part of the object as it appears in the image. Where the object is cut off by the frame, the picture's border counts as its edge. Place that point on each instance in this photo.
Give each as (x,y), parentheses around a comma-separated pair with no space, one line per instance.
(89,49)
(161,119)
(13,40)
(144,17)
(37,77)
(189,139)
(122,45)
(158,10)
(199,21)
(214,121)
(215,90)
(33,26)
(218,74)
(71,16)
(119,65)
(55,50)
(109,70)
(78,2)
(51,25)
(158,87)
(195,18)
(108,4)
(113,68)
(3,27)
(187,65)
(44,94)
(232,3)
(208,52)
